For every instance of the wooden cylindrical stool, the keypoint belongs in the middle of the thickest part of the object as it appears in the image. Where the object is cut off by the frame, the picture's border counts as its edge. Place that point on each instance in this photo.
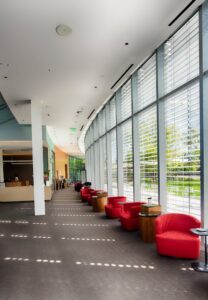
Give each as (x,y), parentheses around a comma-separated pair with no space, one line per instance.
(94,203)
(99,202)
(147,227)
(102,200)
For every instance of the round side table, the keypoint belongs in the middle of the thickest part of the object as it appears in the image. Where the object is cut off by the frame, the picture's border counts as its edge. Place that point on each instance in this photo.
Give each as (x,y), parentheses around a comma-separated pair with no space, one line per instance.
(201,266)
(147,227)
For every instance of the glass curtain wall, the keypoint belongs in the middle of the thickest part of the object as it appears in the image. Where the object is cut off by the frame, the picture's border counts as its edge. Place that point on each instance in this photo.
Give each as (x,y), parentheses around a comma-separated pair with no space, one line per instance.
(182,126)
(127,159)
(147,146)
(153,126)
(146,129)
(113,156)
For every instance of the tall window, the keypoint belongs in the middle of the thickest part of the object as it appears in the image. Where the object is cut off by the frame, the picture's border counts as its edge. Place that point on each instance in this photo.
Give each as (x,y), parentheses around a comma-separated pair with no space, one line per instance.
(102,122)
(92,161)
(105,163)
(148,163)
(112,113)
(88,164)
(97,162)
(146,130)
(124,103)
(181,55)
(113,145)
(183,151)
(146,84)
(127,159)
(95,129)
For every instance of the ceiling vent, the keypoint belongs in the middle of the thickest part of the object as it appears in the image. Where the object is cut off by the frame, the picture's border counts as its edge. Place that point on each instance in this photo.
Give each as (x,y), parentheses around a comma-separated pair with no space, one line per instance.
(22,102)
(91,114)
(124,73)
(181,13)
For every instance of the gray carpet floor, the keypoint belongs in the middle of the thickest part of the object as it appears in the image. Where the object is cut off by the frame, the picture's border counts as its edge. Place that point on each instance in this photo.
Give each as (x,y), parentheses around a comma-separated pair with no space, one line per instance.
(74,254)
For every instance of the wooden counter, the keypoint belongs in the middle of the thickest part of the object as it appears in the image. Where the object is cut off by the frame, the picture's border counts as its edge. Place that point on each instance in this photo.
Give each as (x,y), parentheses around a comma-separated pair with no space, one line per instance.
(21,193)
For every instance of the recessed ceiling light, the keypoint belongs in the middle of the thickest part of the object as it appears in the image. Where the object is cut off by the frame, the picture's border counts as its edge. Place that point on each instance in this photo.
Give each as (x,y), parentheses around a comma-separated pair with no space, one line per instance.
(63,30)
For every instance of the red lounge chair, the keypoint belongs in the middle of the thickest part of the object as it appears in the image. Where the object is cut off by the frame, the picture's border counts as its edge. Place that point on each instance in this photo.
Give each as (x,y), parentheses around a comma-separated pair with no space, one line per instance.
(78,186)
(174,238)
(85,193)
(113,208)
(129,215)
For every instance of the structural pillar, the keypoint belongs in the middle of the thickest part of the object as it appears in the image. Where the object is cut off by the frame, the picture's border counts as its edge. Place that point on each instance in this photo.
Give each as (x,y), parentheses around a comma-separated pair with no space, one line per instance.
(161,134)
(204,111)
(1,166)
(37,150)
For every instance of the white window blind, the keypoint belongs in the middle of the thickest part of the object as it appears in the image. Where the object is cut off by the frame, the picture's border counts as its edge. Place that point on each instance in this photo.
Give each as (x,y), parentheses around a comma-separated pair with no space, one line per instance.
(148,161)
(103,164)
(127,159)
(87,165)
(97,163)
(102,122)
(181,55)
(112,113)
(91,135)
(95,129)
(125,101)
(146,84)
(114,179)
(104,158)
(183,151)
(92,168)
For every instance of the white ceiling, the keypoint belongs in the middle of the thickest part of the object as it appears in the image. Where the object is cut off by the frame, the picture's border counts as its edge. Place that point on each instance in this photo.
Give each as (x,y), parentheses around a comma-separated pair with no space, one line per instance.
(62,71)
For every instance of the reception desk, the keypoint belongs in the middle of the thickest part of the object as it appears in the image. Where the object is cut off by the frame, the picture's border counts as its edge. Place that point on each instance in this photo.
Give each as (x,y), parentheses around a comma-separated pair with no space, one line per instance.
(22,193)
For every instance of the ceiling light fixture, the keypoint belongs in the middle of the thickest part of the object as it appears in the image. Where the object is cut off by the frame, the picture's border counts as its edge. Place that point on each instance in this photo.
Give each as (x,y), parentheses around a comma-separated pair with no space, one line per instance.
(63,30)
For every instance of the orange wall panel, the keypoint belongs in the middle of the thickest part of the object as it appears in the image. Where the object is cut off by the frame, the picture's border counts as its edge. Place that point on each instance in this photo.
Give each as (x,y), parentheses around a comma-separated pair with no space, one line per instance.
(61,159)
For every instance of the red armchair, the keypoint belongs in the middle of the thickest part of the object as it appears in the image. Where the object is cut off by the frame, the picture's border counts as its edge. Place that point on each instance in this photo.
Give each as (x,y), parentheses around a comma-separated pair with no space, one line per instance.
(113,208)
(129,215)
(85,193)
(173,236)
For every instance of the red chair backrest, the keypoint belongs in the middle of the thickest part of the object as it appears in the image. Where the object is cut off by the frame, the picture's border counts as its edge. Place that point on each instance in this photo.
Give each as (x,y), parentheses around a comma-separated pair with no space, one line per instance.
(175,221)
(85,190)
(116,199)
(127,206)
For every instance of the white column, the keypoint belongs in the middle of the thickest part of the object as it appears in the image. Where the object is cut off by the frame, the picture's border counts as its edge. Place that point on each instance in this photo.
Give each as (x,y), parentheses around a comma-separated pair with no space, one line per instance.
(204,112)
(135,140)
(161,134)
(37,149)
(1,166)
